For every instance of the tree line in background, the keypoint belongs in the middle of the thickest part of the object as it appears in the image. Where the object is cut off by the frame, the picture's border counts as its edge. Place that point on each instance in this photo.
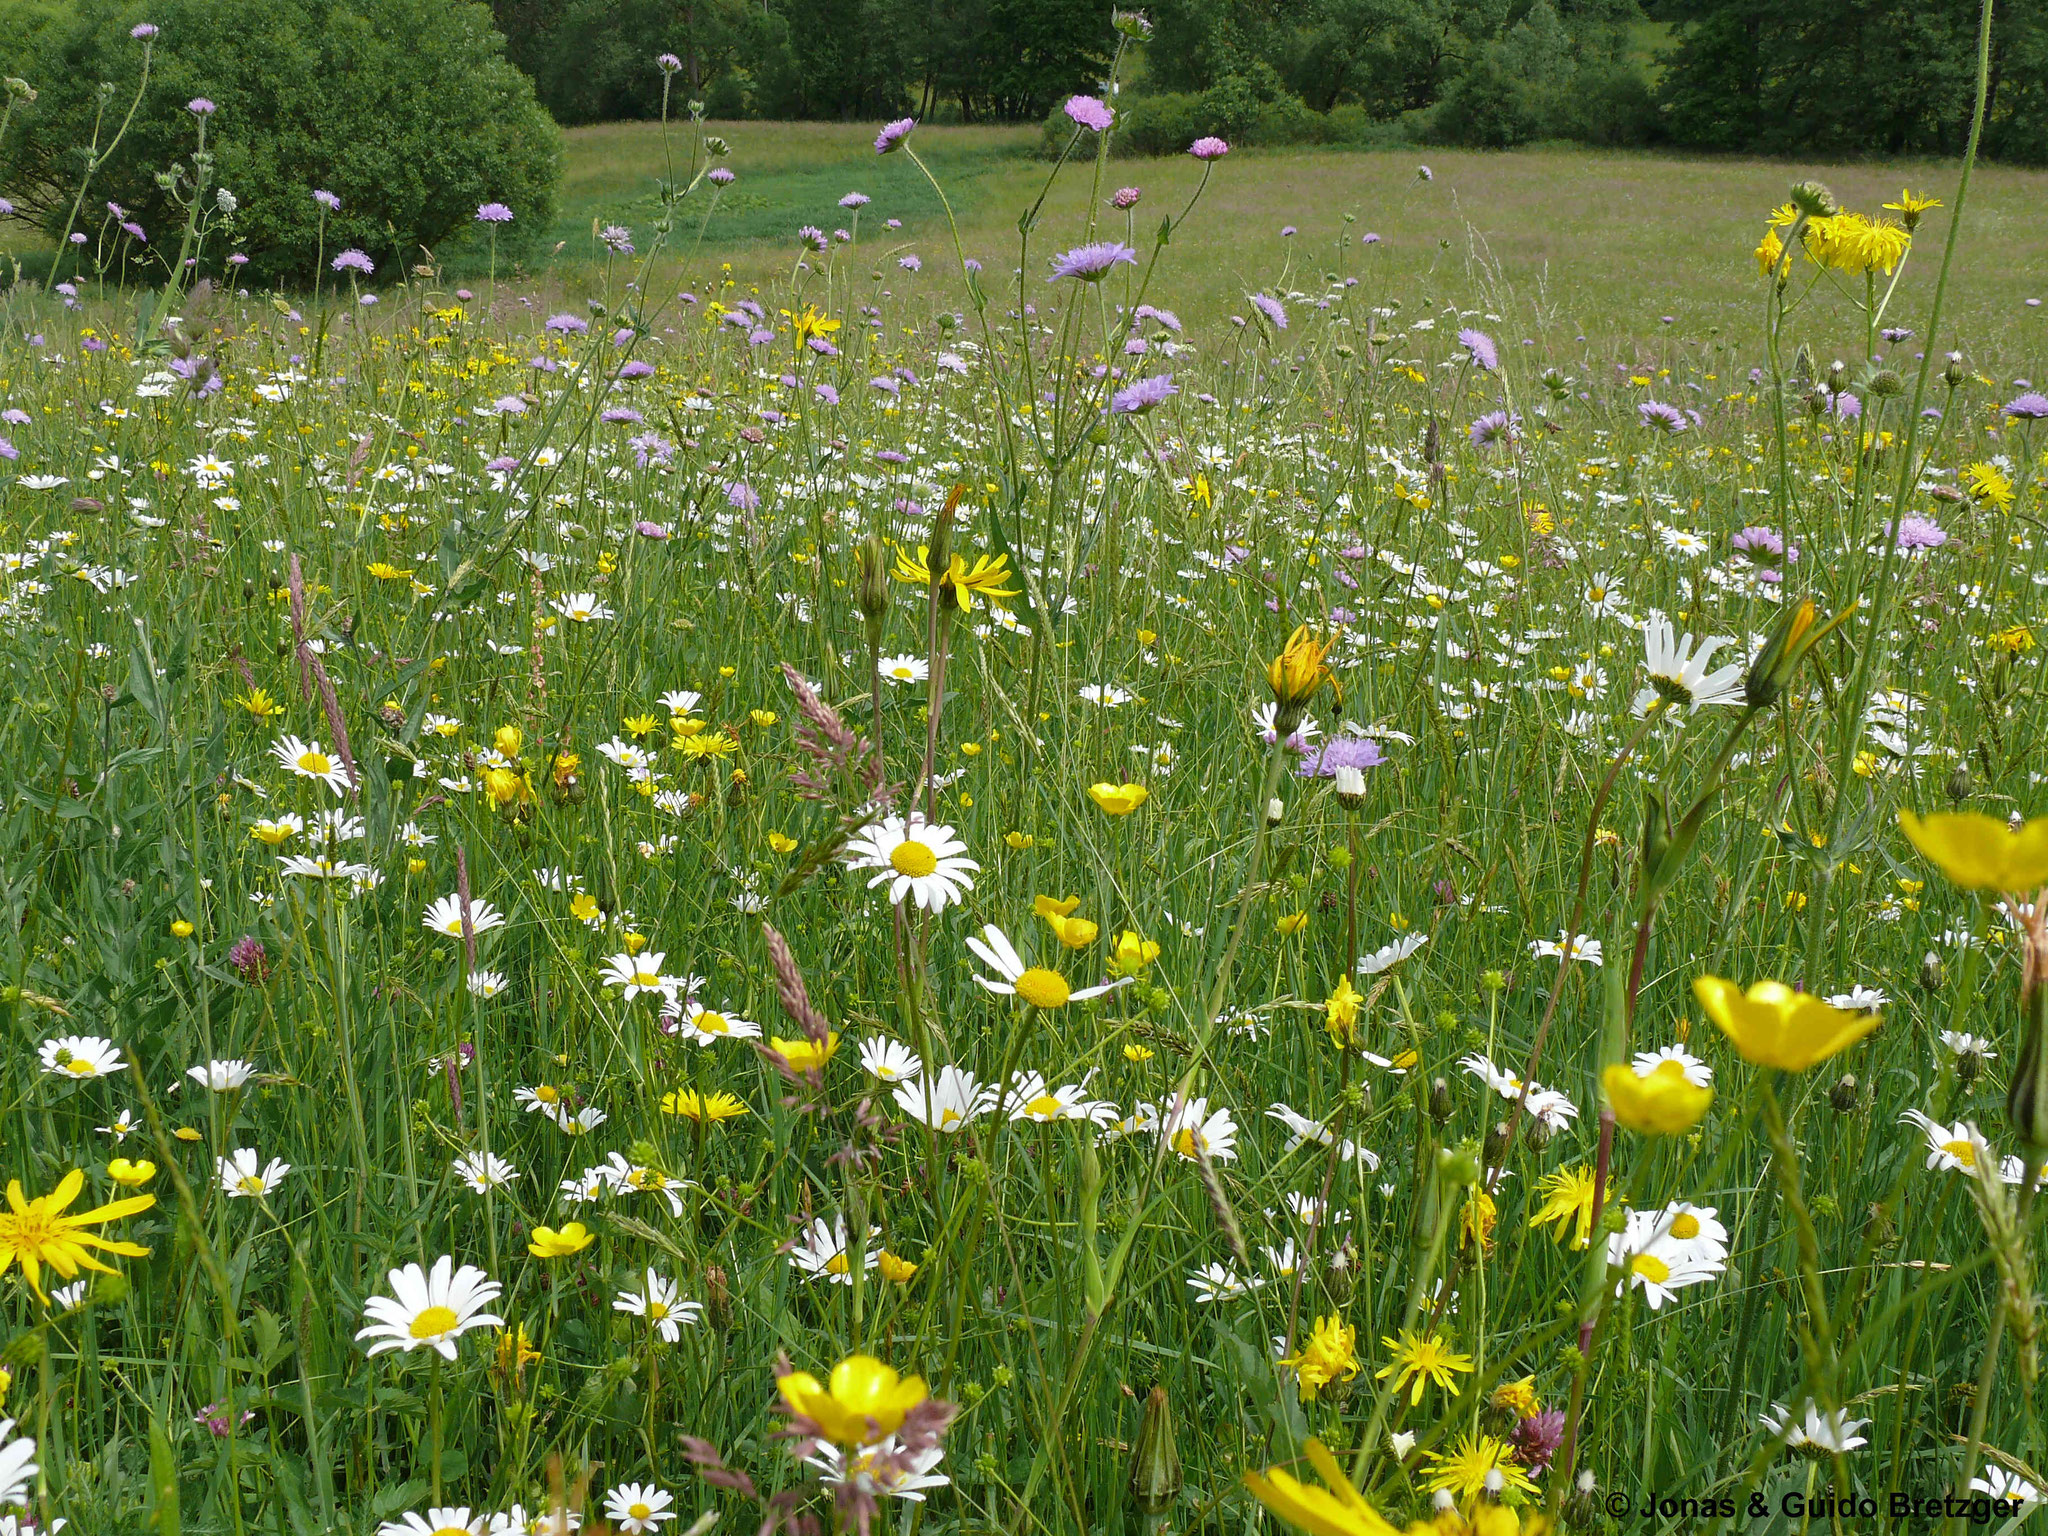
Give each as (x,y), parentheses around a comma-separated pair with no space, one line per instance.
(1794,77)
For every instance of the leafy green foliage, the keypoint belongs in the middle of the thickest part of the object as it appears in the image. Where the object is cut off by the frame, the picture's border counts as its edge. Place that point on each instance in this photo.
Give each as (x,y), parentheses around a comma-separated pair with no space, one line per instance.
(405,109)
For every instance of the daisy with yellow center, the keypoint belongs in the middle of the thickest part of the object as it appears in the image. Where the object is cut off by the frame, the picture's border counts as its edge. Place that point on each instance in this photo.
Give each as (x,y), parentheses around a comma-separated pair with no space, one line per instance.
(430,1310)
(1035,984)
(704,1025)
(915,859)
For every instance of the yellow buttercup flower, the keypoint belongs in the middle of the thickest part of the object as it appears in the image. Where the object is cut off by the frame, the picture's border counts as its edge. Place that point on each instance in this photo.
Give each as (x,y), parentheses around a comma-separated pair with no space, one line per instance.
(1131,954)
(1774,1026)
(803,1055)
(1137,1054)
(1330,1353)
(1119,799)
(866,1401)
(37,1232)
(131,1175)
(781,843)
(1981,853)
(896,1268)
(1020,840)
(1072,932)
(1290,923)
(1663,1103)
(548,1243)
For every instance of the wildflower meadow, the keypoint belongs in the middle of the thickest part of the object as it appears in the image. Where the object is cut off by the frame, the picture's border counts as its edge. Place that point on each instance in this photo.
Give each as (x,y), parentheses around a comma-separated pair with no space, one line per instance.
(916,896)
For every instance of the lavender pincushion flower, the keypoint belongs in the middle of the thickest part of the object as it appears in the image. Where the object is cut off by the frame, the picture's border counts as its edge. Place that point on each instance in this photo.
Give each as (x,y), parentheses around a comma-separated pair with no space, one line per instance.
(1916,533)
(353,260)
(1271,308)
(1480,345)
(143,31)
(1143,395)
(2032,406)
(1496,427)
(1125,198)
(327,200)
(1090,112)
(199,106)
(1209,147)
(1341,752)
(854,200)
(1664,418)
(893,134)
(1091,263)
(811,237)
(720,176)
(493,213)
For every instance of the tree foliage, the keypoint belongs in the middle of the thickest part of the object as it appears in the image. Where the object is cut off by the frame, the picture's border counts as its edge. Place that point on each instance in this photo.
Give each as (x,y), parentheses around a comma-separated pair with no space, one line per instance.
(406,109)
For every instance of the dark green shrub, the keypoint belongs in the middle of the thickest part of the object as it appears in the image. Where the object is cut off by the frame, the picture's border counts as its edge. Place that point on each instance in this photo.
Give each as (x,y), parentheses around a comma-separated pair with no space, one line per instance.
(405,109)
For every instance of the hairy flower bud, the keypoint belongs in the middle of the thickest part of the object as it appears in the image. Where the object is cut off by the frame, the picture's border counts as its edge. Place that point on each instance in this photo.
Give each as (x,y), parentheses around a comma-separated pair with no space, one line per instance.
(1954,371)
(1155,1480)
(1813,199)
(1931,972)
(1845,1095)
(1439,1101)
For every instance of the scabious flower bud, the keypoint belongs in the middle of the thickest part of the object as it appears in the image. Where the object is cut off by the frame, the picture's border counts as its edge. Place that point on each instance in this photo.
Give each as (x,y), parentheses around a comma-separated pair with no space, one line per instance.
(1954,371)
(1886,384)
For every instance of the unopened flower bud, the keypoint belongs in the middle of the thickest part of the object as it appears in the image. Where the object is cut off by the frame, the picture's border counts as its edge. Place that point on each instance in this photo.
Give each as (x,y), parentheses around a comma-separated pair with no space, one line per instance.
(1155,1480)
(1886,384)
(1958,786)
(1968,1065)
(1813,199)
(1439,1101)
(1350,786)
(1954,372)
(1496,1144)
(2026,1101)
(871,561)
(20,89)
(1276,808)
(1845,1095)
(1931,972)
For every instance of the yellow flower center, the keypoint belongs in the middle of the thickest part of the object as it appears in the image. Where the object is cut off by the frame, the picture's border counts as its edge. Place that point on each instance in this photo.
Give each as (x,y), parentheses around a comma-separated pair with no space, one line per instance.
(712,1023)
(315,762)
(947,1117)
(656,1311)
(1650,1267)
(1044,1107)
(913,859)
(638,1512)
(250,1184)
(837,1265)
(79,1067)
(30,1232)
(1043,988)
(433,1322)
(1962,1152)
(1687,1225)
(453,1530)
(1189,1143)
(547,1095)
(1596,594)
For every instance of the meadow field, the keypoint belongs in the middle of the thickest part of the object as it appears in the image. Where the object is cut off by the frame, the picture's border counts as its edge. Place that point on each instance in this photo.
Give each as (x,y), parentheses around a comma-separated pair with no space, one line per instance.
(821,865)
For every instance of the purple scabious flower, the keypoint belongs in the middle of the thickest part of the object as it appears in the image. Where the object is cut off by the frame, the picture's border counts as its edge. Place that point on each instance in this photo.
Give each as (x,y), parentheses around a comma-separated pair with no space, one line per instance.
(720,176)
(886,384)
(854,200)
(1496,428)
(1340,752)
(1370,237)
(1286,231)
(353,260)
(1665,418)
(1091,263)
(912,263)
(648,530)
(668,63)
(493,213)
(635,368)
(891,138)
(621,415)
(1845,406)
(1757,541)
(143,31)
(1142,396)
(8,451)
(327,200)
(2032,406)
(742,496)
(811,237)
(504,463)
(1919,533)
(1165,317)
(1481,347)
(617,238)
(826,393)
(892,456)
(199,106)
(135,229)
(1209,147)
(567,325)
(1125,197)
(1271,308)
(6,208)
(1090,112)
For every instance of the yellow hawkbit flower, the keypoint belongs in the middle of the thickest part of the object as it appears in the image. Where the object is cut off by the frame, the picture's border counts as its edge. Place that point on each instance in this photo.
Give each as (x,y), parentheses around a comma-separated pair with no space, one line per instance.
(1330,1353)
(34,1233)
(1990,483)
(1567,1202)
(258,703)
(1421,1362)
(1340,1014)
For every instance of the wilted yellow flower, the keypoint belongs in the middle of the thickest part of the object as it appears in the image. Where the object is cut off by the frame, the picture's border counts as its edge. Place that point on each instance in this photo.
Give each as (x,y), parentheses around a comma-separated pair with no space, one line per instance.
(1981,853)
(1330,1353)
(1663,1103)
(1290,923)
(1298,671)
(1119,799)
(1477,1220)
(1774,1026)
(866,1401)
(893,1267)
(1771,260)
(1518,1398)
(259,704)
(1340,1013)
(2013,639)
(508,739)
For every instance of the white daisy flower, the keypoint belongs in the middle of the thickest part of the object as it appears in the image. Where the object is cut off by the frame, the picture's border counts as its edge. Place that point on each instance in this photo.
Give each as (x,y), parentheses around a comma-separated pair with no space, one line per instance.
(659,1302)
(17,1465)
(884,1469)
(950,1102)
(221,1076)
(1191,1129)
(1038,986)
(918,860)
(581,607)
(820,1251)
(444,917)
(1697,1072)
(904,669)
(81,1056)
(1811,1429)
(308,761)
(1030,1098)
(1679,675)
(435,1522)
(704,1025)
(242,1176)
(639,973)
(1653,1260)
(483,1171)
(1219,1282)
(889,1061)
(430,1310)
